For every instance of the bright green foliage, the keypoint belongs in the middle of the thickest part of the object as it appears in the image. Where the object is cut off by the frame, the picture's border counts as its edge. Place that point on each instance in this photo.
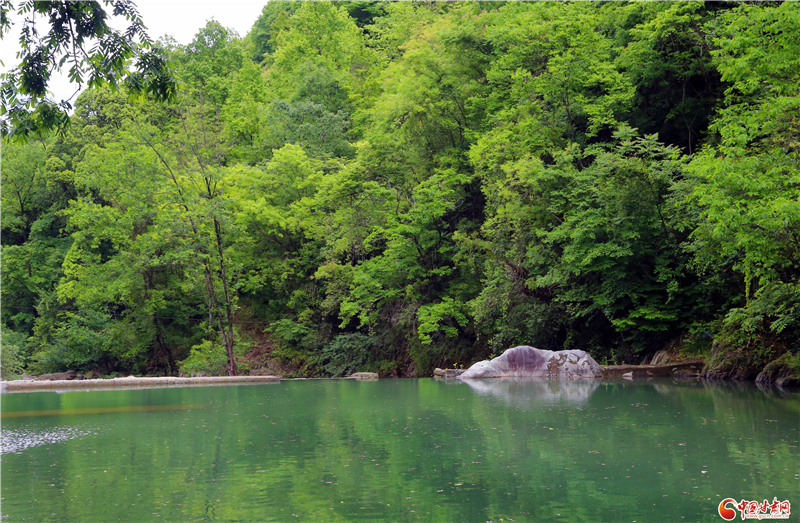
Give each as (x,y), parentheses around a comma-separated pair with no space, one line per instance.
(400,23)
(554,76)
(209,60)
(747,182)
(33,245)
(614,227)
(36,186)
(210,359)
(270,230)
(12,356)
(608,214)
(319,35)
(394,186)
(409,192)
(243,113)
(617,237)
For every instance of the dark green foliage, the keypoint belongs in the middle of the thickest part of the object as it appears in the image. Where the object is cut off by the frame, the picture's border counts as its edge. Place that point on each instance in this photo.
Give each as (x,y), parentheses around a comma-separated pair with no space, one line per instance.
(319,132)
(668,44)
(80,36)
(263,33)
(364,12)
(348,353)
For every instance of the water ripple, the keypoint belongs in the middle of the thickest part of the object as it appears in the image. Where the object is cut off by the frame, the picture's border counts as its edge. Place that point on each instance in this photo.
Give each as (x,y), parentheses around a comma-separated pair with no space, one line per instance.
(17,441)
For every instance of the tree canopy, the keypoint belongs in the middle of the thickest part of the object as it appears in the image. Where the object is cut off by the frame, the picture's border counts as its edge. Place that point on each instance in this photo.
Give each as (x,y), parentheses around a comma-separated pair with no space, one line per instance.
(403,185)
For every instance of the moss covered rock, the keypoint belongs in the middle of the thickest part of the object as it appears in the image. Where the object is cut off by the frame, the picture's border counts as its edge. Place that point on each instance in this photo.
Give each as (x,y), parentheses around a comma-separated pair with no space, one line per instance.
(784,371)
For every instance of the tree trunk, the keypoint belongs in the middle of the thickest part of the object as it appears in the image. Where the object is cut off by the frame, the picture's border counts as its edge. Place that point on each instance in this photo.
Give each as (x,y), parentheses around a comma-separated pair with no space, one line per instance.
(232,370)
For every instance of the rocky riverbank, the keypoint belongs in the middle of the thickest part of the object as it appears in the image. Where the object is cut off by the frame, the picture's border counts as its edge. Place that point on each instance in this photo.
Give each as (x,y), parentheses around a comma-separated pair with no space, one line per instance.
(527,361)
(684,369)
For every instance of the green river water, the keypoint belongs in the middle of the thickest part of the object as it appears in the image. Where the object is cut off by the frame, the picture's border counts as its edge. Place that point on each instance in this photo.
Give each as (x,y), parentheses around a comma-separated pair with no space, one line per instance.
(399,450)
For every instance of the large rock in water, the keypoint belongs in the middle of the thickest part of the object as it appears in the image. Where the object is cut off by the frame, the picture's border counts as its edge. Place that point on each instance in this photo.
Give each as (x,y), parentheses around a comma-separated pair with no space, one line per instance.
(527,362)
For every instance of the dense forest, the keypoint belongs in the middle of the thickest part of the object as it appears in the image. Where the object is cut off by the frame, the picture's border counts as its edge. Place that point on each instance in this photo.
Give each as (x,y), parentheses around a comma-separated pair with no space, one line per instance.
(395,186)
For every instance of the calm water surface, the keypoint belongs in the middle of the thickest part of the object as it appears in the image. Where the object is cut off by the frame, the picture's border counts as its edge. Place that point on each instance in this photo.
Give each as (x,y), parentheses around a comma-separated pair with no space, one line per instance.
(399,450)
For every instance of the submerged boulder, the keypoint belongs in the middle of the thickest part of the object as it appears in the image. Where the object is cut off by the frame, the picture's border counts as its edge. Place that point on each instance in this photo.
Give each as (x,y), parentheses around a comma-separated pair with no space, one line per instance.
(528,362)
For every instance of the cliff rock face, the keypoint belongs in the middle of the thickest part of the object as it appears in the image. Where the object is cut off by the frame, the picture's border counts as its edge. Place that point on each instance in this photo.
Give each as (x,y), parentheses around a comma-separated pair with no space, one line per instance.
(528,362)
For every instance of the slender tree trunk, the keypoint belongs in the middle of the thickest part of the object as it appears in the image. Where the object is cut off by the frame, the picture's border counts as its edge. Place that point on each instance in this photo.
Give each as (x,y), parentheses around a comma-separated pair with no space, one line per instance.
(232,370)
(227,337)
(165,350)
(211,296)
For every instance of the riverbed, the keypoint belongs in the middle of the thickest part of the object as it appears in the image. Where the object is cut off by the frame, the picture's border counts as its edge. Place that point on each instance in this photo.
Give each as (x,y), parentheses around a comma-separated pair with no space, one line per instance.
(399,450)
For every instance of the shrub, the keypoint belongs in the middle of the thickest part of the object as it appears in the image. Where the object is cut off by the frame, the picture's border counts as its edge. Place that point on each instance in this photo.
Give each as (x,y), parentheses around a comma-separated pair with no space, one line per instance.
(12,359)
